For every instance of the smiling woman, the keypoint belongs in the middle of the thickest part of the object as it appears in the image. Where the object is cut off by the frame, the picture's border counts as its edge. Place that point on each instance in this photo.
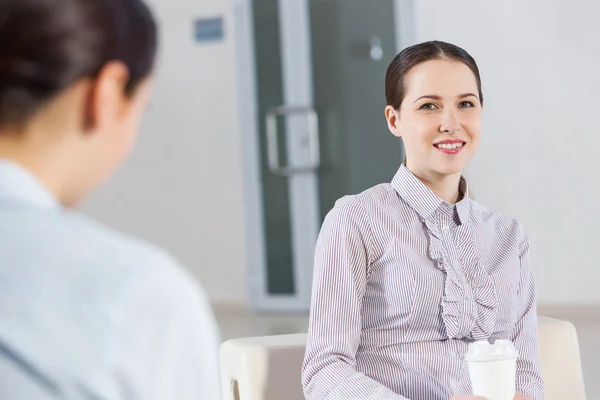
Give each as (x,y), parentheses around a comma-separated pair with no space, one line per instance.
(408,274)
(435,108)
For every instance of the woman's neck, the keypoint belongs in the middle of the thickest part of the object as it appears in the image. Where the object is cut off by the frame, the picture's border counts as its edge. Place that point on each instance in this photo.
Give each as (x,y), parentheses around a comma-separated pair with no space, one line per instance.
(41,161)
(446,187)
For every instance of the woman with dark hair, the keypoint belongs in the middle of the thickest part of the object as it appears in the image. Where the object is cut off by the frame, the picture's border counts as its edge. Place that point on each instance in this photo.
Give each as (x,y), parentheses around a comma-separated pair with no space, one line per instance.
(85,312)
(407,274)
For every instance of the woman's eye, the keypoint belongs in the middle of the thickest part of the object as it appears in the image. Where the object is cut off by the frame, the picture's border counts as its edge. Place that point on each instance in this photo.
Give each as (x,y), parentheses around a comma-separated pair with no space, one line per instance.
(466,104)
(428,106)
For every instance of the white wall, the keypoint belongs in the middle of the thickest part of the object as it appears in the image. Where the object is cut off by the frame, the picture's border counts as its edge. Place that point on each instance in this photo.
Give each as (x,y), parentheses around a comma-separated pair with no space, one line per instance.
(539,157)
(182,188)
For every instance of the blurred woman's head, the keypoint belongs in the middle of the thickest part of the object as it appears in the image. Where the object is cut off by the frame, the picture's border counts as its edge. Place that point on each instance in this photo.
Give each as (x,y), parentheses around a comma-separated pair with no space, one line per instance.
(75,79)
(434,97)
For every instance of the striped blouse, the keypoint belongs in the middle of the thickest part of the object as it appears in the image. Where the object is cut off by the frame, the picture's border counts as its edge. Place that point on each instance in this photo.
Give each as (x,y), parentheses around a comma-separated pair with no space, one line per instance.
(403,282)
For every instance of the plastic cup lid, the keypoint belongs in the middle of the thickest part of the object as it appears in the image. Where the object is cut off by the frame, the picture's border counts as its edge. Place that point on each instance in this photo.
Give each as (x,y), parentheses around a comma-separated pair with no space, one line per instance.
(484,351)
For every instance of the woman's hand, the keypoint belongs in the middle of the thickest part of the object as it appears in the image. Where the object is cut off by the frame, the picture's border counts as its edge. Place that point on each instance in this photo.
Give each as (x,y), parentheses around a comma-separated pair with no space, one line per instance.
(468,398)
(518,396)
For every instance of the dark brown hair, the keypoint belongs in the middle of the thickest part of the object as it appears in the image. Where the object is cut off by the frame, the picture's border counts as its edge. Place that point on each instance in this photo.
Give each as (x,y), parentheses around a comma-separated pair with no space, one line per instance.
(48,45)
(395,79)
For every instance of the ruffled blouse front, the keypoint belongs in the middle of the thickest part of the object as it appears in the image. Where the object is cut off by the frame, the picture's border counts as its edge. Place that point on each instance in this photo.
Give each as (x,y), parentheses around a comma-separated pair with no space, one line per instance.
(470,301)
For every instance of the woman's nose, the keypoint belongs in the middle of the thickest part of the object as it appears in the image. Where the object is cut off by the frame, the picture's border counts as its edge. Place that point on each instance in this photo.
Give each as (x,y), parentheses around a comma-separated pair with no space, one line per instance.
(449,123)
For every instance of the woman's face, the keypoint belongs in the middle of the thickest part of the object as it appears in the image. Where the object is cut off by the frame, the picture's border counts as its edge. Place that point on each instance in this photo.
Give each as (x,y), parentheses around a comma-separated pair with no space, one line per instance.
(439,119)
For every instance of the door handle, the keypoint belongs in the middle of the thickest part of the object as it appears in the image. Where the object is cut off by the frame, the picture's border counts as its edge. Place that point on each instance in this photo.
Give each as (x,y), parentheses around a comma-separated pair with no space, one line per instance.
(274,161)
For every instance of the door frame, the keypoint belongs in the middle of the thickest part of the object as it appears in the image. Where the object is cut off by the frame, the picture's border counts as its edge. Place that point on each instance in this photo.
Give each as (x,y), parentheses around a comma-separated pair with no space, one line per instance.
(295,94)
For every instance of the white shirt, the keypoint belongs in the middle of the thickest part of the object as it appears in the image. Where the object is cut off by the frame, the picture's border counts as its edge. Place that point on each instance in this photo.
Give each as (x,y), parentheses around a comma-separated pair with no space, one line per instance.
(87,313)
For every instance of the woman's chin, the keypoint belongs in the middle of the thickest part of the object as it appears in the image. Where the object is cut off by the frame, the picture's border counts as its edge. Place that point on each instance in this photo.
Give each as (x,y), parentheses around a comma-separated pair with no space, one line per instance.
(449,168)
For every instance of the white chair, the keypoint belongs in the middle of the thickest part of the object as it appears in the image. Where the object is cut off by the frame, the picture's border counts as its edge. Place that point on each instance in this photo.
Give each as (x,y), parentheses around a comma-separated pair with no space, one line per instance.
(268,368)
(560,360)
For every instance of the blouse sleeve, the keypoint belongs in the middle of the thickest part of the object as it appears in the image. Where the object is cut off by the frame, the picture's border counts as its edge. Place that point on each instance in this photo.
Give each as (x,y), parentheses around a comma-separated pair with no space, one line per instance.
(525,334)
(340,278)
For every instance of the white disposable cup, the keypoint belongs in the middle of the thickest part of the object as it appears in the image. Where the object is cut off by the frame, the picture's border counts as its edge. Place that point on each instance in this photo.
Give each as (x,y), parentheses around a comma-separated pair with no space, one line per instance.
(492,369)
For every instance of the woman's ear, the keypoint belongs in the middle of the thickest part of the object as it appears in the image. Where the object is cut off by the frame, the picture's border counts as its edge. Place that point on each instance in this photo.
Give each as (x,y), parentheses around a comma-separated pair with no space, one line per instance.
(107,99)
(393,117)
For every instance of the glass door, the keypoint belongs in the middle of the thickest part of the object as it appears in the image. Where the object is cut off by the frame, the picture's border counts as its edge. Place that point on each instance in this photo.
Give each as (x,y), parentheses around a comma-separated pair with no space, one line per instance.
(314,99)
